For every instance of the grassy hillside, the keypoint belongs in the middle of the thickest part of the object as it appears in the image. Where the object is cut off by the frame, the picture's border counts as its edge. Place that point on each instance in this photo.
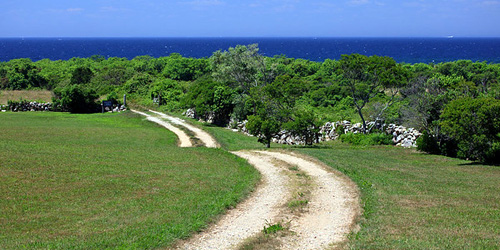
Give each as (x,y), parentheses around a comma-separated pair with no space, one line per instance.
(411,200)
(107,181)
(419,201)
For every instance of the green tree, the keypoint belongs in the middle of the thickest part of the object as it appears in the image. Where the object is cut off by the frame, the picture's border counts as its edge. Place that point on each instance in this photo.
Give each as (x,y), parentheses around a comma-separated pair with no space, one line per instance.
(475,125)
(23,74)
(304,124)
(366,77)
(81,75)
(264,128)
(75,99)
(241,67)
(210,99)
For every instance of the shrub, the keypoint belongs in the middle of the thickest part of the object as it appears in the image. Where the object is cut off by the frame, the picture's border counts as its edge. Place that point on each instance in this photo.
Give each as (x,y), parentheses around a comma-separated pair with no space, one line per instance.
(75,99)
(437,143)
(367,139)
(475,125)
(428,143)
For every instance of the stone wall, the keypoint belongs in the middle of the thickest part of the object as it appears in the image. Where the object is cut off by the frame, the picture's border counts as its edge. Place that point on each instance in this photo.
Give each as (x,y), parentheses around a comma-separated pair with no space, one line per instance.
(402,136)
(29,106)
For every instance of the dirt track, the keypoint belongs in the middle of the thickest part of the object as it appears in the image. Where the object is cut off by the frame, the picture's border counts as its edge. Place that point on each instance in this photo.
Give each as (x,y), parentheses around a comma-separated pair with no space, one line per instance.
(330,214)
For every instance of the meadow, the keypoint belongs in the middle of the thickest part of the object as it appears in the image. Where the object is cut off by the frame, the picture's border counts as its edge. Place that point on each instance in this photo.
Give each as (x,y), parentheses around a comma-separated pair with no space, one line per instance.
(411,200)
(71,181)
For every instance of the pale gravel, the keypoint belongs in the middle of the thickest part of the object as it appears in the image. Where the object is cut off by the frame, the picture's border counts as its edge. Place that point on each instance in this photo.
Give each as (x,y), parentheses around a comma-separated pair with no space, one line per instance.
(329,218)
(184,140)
(331,212)
(250,216)
(205,137)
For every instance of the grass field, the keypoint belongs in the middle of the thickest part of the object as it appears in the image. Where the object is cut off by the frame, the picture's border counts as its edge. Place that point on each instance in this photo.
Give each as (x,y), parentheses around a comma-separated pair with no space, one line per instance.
(418,201)
(117,181)
(107,181)
(411,200)
(30,95)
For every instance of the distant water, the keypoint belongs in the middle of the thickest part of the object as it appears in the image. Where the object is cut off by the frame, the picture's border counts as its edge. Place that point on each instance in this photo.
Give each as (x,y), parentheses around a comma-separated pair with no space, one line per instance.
(410,50)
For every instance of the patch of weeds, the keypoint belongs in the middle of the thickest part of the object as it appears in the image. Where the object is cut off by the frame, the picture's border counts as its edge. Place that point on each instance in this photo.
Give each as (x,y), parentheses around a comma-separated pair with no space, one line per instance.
(301,174)
(294,168)
(268,238)
(297,203)
(272,229)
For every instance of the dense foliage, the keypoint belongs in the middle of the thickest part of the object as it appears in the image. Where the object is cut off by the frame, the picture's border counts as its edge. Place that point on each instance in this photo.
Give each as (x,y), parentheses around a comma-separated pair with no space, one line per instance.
(277,93)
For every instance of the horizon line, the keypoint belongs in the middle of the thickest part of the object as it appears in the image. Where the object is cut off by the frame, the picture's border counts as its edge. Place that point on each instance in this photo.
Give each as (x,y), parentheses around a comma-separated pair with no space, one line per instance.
(236,37)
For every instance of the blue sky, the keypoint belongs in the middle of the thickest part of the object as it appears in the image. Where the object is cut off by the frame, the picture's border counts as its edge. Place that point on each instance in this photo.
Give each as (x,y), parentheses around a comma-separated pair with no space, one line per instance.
(250,18)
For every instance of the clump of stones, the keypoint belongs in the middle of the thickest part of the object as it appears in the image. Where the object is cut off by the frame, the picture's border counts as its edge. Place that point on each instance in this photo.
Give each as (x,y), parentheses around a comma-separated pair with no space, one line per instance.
(401,136)
(39,106)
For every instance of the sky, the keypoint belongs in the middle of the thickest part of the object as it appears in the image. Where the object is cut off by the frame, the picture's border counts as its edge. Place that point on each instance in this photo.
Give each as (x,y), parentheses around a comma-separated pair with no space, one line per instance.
(249,18)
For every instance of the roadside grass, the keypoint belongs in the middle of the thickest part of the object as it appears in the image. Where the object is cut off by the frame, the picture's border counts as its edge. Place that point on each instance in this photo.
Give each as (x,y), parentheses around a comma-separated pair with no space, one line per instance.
(418,201)
(228,139)
(30,95)
(100,181)
(411,200)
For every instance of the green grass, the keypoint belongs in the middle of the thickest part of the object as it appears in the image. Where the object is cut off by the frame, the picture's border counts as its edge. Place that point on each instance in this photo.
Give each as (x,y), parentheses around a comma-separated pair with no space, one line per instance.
(230,140)
(101,181)
(411,200)
(418,201)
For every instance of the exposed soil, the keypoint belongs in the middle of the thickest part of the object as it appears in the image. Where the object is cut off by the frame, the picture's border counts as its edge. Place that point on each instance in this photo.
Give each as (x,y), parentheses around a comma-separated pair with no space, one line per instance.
(205,137)
(329,216)
(184,140)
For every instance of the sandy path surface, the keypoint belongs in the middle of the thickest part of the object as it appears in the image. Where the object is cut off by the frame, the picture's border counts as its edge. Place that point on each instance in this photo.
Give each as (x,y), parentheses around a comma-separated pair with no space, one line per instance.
(331,211)
(330,215)
(249,217)
(183,137)
(205,137)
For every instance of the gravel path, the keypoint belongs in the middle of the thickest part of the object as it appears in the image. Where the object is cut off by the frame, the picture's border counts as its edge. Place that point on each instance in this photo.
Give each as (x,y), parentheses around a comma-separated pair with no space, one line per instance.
(249,217)
(330,215)
(205,137)
(183,137)
(331,211)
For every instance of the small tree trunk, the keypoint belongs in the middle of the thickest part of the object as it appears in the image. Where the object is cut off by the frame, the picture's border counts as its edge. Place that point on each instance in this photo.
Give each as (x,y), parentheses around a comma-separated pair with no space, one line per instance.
(268,145)
(363,120)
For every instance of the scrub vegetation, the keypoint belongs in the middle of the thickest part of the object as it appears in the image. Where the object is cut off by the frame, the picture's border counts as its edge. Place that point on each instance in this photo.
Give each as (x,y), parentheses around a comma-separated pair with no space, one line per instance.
(91,181)
(280,93)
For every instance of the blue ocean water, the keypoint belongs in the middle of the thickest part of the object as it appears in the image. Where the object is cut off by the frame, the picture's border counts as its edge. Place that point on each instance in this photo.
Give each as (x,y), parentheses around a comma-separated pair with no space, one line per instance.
(409,50)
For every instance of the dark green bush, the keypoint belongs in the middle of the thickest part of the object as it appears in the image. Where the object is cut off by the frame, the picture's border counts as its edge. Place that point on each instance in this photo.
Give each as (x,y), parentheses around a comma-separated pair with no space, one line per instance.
(367,139)
(428,143)
(75,99)
(475,125)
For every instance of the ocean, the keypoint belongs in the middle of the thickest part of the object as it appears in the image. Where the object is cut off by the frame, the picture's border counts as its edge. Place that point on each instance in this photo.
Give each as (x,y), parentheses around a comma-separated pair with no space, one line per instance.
(408,50)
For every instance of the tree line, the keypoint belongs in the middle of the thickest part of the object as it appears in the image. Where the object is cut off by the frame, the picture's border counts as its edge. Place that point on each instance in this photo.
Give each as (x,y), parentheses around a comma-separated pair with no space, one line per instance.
(456,104)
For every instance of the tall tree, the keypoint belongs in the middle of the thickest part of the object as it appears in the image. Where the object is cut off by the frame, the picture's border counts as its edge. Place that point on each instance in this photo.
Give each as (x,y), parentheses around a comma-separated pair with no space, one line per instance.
(241,67)
(366,77)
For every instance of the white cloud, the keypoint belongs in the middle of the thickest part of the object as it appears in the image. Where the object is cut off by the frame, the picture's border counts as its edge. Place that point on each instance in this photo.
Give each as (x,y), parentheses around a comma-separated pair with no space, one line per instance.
(68,10)
(111,9)
(359,2)
(204,2)
(74,10)
(491,3)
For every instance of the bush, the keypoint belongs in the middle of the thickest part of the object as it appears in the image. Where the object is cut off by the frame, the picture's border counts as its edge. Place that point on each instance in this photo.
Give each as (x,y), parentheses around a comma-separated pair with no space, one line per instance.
(367,139)
(475,125)
(75,99)
(210,99)
(437,144)
(428,143)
